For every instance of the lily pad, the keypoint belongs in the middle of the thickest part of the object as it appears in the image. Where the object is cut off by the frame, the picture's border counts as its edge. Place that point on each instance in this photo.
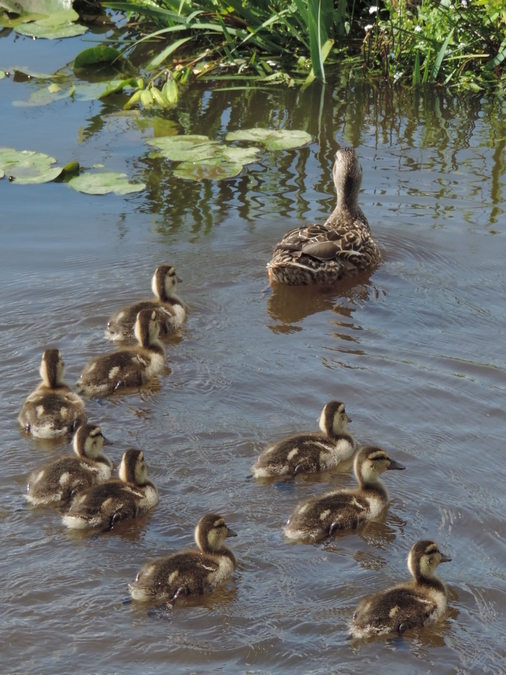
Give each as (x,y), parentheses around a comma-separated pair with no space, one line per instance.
(271,138)
(2,173)
(93,55)
(58,24)
(45,96)
(28,166)
(214,169)
(104,183)
(2,74)
(243,155)
(93,90)
(186,148)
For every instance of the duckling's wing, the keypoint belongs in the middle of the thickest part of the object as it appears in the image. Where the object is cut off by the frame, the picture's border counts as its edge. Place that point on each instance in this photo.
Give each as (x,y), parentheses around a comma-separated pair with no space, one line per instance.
(58,481)
(396,609)
(296,454)
(315,519)
(184,573)
(122,322)
(105,504)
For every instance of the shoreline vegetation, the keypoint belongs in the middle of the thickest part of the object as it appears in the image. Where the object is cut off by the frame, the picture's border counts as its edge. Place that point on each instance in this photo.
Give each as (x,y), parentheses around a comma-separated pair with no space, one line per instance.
(457,43)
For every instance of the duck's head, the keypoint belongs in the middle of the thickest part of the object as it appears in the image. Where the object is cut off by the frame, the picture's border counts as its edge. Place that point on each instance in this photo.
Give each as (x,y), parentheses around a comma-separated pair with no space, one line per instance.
(211,532)
(52,368)
(89,440)
(423,559)
(147,328)
(164,282)
(347,174)
(371,462)
(333,419)
(133,468)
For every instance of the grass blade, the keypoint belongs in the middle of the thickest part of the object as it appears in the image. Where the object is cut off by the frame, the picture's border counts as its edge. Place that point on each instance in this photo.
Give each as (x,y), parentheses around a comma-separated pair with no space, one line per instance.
(167,52)
(314,29)
(440,57)
(416,72)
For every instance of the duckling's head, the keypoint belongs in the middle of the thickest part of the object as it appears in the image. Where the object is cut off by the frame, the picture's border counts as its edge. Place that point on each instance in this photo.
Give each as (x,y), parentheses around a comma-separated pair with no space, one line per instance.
(164,282)
(52,368)
(211,532)
(371,462)
(133,468)
(147,328)
(333,419)
(89,440)
(423,559)
(347,174)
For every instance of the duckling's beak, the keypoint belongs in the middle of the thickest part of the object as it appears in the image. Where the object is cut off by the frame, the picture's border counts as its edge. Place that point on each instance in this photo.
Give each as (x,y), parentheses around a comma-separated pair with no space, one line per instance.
(231,533)
(348,420)
(445,558)
(107,441)
(179,281)
(395,466)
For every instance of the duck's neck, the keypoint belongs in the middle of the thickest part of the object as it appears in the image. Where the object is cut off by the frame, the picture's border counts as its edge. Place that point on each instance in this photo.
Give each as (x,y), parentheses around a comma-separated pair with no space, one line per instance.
(172,298)
(433,582)
(224,551)
(156,347)
(377,486)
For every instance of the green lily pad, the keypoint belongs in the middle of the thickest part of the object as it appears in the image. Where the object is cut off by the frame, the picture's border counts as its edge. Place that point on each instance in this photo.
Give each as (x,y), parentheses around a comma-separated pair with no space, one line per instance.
(93,55)
(186,148)
(93,90)
(2,173)
(28,166)
(243,155)
(214,169)
(33,75)
(45,96)
(104,183)
(29,6)
(39,30)
(271,138)
(2,74)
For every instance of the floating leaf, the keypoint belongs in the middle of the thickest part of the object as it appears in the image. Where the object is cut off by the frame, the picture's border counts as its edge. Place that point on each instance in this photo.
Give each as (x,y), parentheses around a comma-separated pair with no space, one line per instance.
(243,155)
(31,74)
(45,96)
(94,55)
(2,173)
(186,148)
(272,139)
(59,24)
(92,90)
(2,74)
(213,169)
(40,6)
(104,183)
(28,166)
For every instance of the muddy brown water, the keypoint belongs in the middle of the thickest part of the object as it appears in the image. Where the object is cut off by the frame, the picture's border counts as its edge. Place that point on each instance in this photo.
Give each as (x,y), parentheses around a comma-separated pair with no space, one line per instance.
(415,349)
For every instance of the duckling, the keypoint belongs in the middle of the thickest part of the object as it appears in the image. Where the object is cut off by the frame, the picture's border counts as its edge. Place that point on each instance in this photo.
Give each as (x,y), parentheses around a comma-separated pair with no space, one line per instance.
(320,517)
(58,481)
(411,605)
(52,410)
(189,572)
(311,452)
(319,254)
(132,495)
(129,367)
(170,311)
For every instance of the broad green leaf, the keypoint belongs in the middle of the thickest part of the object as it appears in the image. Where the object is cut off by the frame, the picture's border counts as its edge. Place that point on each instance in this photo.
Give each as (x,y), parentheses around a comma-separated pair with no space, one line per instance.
(6,22)
(272,139)
(45,96)
(2,173)
(89,91)
(32,74)
(38,30)
(210,169)
(40,6)
(28,166)
(104,183)
(186,148)
(94,55)
(2,74)
(242,155)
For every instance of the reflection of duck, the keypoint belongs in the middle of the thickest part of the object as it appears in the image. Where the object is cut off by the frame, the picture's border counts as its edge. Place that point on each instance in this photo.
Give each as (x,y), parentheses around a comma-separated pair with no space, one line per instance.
(319,517)
(52,410)
(131,367)
(130,496)
(412,605)
(319,254)
(189,572)
(170,311)
(311,452)
(60,479)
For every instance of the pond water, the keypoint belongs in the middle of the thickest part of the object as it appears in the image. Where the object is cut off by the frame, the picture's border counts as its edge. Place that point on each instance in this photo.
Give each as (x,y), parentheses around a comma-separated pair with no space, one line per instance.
(414,350)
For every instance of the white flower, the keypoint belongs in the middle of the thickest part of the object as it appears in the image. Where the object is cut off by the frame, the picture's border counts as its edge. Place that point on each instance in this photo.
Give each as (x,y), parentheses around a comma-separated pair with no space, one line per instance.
(368,27)
(373,9)
(391,56)
(418,29)
(464,3)
(398,75)
(271,63)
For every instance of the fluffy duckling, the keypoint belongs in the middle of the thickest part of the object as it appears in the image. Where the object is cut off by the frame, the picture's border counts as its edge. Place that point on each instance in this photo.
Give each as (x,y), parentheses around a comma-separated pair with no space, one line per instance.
(411,605)
(132,495)
(169,309)
(129,367)
(317,254)
(320,517)
(58,481)
(308,453)
(189,572)
(52,410)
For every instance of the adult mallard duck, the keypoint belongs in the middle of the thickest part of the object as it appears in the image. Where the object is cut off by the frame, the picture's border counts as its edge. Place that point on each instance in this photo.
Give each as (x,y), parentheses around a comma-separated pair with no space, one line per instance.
(319,254)
(411,605)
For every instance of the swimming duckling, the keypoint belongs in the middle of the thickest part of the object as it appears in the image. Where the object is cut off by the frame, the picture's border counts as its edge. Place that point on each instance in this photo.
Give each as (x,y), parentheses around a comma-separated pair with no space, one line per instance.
(320,517)
(170,311)
(411,605)
(318,254)
(132,495)
(58,481)
(129,367)
(308,453)
(189,572)
(52,410)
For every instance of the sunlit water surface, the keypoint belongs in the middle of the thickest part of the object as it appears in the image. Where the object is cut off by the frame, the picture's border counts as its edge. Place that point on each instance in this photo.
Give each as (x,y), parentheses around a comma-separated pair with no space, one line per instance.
(415,350)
